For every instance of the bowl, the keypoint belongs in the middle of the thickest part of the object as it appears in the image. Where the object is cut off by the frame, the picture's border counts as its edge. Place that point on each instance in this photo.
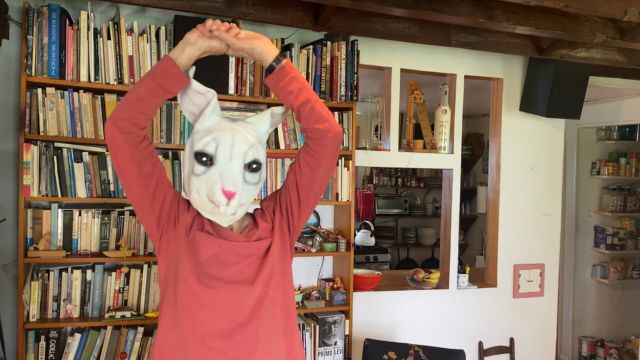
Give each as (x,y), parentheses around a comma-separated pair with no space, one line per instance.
(365,279)
(426,236)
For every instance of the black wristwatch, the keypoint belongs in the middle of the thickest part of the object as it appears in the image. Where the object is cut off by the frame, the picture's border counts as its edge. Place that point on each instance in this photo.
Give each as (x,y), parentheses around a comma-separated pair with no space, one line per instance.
(280,58)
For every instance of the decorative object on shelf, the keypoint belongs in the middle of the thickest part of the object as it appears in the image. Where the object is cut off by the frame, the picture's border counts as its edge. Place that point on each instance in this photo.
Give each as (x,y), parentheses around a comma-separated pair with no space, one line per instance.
(122,252)
(423,279)
(416,102)
(365,237)
(366,279)
(314,304)
(122,313)
(42,248)
(371,119)
(442,122)
(528,280)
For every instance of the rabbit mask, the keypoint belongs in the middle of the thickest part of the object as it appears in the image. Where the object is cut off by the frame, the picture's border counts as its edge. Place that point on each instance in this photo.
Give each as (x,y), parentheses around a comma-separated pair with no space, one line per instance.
(225,159)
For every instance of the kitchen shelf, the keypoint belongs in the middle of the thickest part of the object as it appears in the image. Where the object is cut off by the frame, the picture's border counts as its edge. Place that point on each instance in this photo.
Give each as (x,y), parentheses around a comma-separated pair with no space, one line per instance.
(614,282)
(617,142)
(617,253)
(604,213)
(85,322)
(607,177)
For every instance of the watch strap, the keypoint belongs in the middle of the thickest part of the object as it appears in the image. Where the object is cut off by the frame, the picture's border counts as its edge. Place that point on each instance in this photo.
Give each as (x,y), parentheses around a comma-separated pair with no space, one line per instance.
(279,59)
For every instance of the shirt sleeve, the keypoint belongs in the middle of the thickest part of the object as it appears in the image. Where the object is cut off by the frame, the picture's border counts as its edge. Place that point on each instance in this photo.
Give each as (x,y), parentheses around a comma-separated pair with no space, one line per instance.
(315,163)
(134,157)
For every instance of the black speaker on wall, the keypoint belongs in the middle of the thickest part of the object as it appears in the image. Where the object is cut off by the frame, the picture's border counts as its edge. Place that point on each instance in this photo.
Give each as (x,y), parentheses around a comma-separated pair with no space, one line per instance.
(555,88)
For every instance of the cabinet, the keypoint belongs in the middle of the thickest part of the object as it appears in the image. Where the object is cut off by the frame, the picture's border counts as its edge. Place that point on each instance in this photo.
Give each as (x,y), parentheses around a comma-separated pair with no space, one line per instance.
(115,202)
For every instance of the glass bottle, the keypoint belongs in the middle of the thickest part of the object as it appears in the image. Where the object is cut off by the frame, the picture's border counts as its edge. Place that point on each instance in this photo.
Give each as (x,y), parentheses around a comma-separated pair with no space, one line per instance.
(443,121)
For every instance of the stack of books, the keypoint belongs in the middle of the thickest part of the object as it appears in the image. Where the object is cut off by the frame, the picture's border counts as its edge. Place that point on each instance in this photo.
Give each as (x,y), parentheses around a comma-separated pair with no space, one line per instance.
(86,231)
(87,49)
(323,335)
(108,343)
(338,188)
(89,291)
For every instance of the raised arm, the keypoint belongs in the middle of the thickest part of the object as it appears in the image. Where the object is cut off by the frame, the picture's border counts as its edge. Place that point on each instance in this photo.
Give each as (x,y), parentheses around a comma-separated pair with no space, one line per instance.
(309,174)
(134,157)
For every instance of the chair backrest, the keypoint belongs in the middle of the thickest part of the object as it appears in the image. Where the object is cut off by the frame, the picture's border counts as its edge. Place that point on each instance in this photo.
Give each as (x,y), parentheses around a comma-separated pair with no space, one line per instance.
(497,350)
(377,349)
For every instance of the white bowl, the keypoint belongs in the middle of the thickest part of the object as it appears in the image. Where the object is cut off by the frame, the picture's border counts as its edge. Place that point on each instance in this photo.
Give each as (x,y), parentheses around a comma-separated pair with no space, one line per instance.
(426,236)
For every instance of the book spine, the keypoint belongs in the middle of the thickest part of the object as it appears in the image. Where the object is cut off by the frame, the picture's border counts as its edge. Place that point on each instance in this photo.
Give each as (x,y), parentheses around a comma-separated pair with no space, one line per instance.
(128,345)
(232,75)
(30,25)
(96,297)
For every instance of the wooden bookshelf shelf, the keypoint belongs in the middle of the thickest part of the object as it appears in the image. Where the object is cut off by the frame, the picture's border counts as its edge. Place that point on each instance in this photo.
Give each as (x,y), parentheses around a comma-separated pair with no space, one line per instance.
(83,85)
(322,309)
(71,200)
(144,269)
(322,253)
(101,142)
(85,322)
(90,259)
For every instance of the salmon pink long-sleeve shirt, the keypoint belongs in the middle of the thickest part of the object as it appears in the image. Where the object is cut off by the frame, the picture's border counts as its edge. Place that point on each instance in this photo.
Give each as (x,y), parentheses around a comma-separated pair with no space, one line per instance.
(224,295)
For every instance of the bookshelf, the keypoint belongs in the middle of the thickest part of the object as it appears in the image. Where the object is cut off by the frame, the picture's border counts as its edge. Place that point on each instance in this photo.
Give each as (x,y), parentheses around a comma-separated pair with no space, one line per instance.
(343,210)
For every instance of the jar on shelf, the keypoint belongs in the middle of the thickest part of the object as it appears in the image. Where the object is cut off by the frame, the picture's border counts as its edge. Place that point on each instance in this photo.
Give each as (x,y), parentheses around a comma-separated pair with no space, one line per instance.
(614,133)
(611,199)
(602,134)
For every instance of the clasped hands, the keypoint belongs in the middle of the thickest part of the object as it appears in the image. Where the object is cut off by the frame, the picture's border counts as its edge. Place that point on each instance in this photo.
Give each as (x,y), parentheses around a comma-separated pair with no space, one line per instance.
(215,37)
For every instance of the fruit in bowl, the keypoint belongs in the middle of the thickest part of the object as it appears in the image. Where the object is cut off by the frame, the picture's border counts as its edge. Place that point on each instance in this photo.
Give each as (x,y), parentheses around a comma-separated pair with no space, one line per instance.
(423,279)
(365,279)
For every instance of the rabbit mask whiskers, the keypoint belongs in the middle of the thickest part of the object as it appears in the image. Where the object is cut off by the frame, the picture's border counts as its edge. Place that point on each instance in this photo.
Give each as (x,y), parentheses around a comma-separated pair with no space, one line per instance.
(225,159)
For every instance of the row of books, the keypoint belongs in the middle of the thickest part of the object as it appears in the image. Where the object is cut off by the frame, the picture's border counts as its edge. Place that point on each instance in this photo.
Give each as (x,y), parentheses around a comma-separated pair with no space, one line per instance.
(85,231)
(116,52)
(90,290)
(81,114)
(324,335)
(68,170)
(108,343)
(338,188)
(86,49)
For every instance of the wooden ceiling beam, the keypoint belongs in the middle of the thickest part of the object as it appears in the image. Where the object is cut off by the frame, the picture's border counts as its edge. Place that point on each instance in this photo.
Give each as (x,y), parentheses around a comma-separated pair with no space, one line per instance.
(624,10)
(299,14)
(325,14)
(498,16)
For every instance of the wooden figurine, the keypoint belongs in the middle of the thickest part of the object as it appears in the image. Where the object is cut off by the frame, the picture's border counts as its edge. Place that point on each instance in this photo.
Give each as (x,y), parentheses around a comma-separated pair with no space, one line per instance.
(122,252)
(415,102)
(43,248)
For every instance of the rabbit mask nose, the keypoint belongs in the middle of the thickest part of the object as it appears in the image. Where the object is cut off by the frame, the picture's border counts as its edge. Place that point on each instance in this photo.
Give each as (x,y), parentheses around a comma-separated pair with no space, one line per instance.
(228,194)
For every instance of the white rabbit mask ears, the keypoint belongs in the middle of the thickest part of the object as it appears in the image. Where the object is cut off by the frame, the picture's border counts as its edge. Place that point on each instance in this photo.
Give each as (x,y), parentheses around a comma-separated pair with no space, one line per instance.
(199,102)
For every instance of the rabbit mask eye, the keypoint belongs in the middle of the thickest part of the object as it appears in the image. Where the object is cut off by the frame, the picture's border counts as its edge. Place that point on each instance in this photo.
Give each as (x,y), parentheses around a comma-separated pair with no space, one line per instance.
(203,158)
(253,166)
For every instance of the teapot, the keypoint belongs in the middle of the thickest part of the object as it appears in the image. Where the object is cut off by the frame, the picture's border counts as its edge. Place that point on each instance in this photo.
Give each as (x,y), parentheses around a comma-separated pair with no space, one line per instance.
(364,237)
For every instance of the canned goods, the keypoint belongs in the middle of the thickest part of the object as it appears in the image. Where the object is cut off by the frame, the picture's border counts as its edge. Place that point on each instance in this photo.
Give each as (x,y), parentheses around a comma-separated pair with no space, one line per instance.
(595,168)
(587,347)
(612,351)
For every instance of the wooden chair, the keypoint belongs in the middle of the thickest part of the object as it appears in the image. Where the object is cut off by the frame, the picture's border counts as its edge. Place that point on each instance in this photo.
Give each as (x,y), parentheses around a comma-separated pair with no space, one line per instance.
(497,350)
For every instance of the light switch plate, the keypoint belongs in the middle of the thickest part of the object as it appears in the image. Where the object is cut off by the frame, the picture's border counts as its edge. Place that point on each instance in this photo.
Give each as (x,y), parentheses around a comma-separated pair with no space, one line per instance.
(528,280)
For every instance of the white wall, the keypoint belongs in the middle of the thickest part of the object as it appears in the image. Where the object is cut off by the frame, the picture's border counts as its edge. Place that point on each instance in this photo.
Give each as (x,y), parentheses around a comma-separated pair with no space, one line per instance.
(530,206)
(530,213)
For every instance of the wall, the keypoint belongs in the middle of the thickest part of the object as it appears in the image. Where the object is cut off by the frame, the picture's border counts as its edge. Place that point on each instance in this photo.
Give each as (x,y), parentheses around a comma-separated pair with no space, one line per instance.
(589,308)
(530,209)
(531,182)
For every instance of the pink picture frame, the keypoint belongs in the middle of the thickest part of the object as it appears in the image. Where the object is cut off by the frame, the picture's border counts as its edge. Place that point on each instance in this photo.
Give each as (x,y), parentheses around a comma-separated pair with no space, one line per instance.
(517,269)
